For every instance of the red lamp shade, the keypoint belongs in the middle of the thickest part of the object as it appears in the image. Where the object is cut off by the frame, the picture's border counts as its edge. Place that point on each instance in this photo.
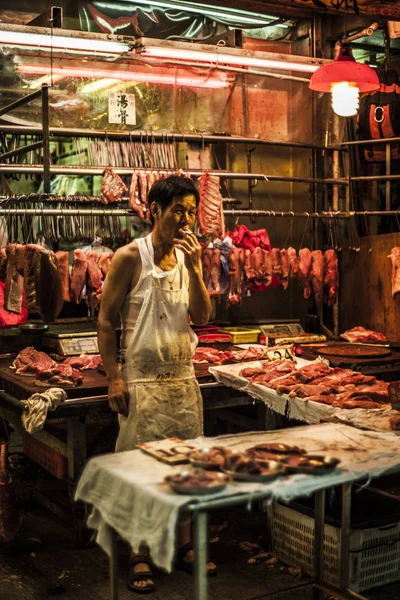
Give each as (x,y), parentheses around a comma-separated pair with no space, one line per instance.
(344,68)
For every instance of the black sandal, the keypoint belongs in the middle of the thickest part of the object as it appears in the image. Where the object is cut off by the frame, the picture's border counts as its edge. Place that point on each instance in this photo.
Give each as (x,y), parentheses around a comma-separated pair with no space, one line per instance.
(184,565)
(142,576)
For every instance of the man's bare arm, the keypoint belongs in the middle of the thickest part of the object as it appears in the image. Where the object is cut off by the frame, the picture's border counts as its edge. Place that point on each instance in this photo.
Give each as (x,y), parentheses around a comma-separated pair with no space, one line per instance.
(199,299)
(115,290)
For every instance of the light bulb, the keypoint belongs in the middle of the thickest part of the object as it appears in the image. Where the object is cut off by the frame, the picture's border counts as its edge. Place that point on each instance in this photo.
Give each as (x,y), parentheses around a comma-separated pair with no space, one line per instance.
(344,99)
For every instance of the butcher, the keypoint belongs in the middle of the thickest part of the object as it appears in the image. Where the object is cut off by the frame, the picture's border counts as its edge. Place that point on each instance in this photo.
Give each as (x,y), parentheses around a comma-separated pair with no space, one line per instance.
(153,287)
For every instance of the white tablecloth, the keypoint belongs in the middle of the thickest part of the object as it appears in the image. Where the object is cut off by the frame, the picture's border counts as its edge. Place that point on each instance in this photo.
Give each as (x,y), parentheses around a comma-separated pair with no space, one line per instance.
(127,491)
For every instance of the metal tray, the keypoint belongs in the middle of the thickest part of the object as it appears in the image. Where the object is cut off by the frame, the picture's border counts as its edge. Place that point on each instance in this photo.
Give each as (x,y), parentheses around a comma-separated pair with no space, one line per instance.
(275,470)
(204,464)
(221,481)
(328,464)
(275,448)
(33,328)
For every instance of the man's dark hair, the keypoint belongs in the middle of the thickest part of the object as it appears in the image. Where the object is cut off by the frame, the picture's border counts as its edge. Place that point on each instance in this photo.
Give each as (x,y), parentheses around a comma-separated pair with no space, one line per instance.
(164,190)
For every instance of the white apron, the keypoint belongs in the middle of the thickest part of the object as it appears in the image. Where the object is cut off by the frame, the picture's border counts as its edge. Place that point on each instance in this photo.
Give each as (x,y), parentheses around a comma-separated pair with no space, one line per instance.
(164,396)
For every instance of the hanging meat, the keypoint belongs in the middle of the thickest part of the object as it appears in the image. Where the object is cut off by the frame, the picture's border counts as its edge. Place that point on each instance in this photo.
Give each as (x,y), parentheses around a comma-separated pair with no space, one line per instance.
(293,262)
(105,262)
(331,277)
(317,273)
(266,268)
(63,269)
(112,187)
(78,275)
(276,262)
(93,274)
(258,264)
(134,201)
(285,265)
(236,273)
(395,258)
(14,282)
(49,295)
(305,271)
(210,211)
(215,291)
(3,264)
(249,265)
(32,258)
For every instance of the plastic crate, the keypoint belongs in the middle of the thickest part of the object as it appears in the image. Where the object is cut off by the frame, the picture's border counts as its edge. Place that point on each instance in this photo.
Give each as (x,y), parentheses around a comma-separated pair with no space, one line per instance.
(48,458)
(242,335)
(374,551)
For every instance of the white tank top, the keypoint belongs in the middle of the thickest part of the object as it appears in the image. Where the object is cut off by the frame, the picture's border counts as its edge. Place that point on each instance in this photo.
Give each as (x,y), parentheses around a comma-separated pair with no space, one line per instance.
(175,279)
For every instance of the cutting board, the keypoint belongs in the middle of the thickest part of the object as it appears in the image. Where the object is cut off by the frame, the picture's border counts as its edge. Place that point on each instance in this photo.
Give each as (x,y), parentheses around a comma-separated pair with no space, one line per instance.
(93,384)
(346,350)
(167,451)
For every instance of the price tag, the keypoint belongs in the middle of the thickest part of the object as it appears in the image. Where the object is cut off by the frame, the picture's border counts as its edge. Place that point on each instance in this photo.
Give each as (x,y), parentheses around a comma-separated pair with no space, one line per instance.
(283,352)
(394,394)
(122,108)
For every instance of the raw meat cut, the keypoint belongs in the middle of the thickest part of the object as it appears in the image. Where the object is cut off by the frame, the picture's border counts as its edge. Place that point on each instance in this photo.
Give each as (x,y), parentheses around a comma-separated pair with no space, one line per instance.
(105,262)
(235,274)
(276,261)
(84,361)
(285,266)
(249,265)
(313,371)
(328,399)
(3,264)
(78,274)
(14,282)
(305,271)
(317,273)
(306,390)
(63,269)
(360,335)
(395,258)
(331,277)
(266,268)
(93,273)
(210,212)
(360,402)
(258,264)
(135,203)
(215,291)
(112,187)
(49,295)
(30,362)
(59,375)
(293,262)
(32,258)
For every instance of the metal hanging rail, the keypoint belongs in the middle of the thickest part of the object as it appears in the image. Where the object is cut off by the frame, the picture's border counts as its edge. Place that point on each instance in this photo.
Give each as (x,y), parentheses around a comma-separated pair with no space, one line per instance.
(148,136)
(90,170)
(43,131)
(116,212)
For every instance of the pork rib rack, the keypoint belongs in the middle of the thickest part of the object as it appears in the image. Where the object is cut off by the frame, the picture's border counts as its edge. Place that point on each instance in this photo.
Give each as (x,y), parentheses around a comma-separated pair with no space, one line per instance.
(210,212)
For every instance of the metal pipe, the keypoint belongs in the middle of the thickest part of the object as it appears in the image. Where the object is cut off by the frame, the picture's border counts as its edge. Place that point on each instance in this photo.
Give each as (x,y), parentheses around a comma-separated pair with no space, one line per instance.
(156,135)
(67,212)
(46,138)
(20,102)
(14,401)
(392,140)
(375,178)
(344,569)
(387,172)
(20,150)
(83,170)
(319,535)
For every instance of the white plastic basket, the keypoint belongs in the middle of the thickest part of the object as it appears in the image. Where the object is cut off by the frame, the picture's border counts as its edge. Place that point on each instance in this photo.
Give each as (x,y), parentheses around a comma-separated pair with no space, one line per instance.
(374,552)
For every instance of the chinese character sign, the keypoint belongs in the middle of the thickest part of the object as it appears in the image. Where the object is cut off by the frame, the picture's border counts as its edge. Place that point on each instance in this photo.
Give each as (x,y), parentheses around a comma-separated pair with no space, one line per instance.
(121,108)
